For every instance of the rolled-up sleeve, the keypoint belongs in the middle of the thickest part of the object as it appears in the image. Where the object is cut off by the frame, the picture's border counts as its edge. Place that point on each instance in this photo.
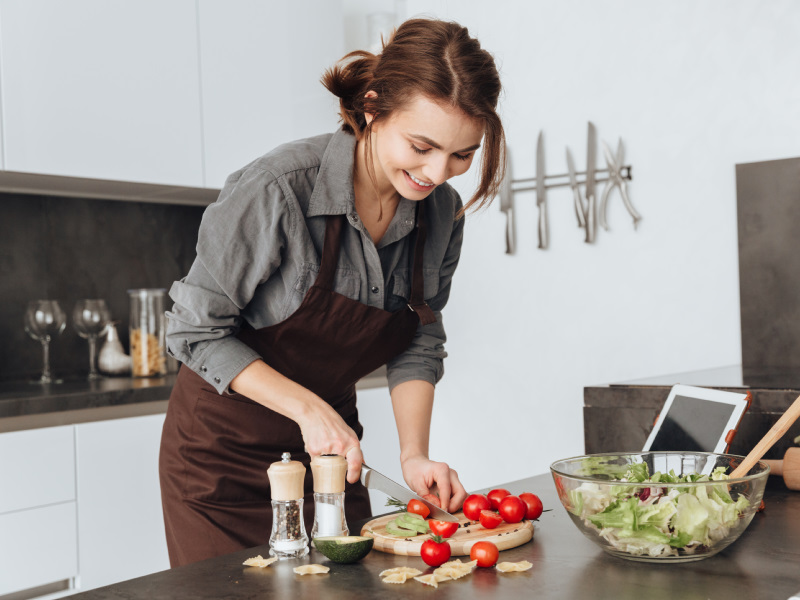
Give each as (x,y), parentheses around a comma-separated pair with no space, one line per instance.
(424,358)
(239,246)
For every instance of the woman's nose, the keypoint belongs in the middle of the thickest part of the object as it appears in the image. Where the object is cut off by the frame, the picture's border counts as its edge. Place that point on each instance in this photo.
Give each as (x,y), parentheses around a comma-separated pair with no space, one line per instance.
(438,170)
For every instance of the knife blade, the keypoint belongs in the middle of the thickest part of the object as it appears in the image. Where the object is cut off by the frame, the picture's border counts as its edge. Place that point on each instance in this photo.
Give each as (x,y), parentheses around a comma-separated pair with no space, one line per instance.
(580,210)
(541,192)
(507,204)
(591,211)
(377,481)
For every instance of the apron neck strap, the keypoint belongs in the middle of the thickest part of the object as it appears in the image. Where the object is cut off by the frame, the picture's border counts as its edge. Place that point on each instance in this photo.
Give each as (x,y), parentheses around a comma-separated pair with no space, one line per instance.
(417,300)
(330,252)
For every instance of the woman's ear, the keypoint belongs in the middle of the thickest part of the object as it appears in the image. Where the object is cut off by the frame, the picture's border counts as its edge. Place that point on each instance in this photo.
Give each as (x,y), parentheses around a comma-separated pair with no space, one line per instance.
(369,116)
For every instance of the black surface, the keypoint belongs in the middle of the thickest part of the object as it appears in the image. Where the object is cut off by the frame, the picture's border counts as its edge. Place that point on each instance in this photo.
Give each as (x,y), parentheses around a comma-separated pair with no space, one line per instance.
(768,201)
(67,249)
(22,398)
(762,564)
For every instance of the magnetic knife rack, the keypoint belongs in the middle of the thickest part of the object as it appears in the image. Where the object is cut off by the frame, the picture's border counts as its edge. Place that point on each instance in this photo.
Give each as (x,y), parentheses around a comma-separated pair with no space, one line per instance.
(616,176)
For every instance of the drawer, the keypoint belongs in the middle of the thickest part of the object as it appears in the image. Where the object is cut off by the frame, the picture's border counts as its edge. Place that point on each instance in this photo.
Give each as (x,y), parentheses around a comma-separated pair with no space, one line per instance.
(38,547)
(37,468)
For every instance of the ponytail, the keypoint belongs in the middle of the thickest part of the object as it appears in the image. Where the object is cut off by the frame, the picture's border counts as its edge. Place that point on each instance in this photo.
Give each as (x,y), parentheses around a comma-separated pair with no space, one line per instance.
(349,80)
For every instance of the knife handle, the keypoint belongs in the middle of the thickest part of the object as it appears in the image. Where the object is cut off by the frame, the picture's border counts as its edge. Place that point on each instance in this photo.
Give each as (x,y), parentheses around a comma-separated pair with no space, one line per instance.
(509,233)
(543,226)
(591,225)
(579,210)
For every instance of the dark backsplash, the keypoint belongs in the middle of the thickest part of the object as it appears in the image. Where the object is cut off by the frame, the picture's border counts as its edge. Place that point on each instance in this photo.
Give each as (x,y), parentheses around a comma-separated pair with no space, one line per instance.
(68,249)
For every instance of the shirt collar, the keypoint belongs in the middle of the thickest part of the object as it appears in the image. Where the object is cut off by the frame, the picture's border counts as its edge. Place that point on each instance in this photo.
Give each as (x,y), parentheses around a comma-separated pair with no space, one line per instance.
(333,190)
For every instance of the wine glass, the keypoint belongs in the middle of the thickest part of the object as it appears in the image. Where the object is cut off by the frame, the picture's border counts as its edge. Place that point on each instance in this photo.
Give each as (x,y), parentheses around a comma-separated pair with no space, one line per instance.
(44,320)
(89,318)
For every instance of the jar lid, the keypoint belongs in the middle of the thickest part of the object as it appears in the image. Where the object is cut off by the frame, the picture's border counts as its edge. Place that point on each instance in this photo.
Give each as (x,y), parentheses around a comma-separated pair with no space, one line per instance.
(286,478)
(329,471)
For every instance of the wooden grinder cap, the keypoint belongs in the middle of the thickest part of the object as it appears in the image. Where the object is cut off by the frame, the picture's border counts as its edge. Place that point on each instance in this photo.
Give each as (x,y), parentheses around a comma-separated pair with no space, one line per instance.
(286,478)
(329,471)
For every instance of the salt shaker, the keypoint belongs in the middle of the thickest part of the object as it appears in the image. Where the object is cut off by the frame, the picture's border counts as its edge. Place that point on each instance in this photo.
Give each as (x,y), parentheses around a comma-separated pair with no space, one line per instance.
(289,538)
(329,471)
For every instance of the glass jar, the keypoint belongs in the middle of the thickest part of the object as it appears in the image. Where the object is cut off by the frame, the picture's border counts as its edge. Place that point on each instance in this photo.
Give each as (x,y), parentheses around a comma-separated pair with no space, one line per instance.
(147,331)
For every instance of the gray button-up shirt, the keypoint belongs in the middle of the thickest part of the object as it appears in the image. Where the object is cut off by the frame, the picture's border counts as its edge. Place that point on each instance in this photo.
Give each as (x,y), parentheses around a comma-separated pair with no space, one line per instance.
(259,249)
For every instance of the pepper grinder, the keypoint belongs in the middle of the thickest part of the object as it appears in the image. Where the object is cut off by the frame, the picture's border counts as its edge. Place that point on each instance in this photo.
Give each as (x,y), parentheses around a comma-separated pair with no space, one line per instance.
(288,539)
(329,471)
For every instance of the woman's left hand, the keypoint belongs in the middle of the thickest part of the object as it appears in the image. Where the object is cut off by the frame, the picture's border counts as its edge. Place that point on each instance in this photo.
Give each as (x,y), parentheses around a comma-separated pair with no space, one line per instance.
(426,476)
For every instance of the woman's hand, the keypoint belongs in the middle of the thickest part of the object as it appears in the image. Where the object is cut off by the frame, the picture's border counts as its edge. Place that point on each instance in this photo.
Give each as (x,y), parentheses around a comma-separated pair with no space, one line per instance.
(426,476)
(325,432)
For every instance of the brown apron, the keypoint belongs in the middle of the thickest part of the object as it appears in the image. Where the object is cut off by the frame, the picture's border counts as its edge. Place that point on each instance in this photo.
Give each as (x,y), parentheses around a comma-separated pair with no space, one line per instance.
(216,448)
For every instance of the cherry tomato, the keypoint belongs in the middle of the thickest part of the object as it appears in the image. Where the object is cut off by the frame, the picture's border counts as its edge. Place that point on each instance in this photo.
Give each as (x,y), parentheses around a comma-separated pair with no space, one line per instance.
(534,505)
(435,551)
(512,509)
(495,496)
(474,504)
(485,553)
(443,528)
(490,519)
(418,508)
(433,499)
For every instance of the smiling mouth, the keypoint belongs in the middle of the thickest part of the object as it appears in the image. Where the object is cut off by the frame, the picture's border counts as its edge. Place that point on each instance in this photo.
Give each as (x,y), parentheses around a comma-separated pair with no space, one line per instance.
(418,181)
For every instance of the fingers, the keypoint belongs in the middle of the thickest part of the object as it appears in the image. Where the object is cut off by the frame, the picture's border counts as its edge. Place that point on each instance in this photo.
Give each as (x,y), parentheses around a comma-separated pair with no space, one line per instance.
(354,459)
(459,494)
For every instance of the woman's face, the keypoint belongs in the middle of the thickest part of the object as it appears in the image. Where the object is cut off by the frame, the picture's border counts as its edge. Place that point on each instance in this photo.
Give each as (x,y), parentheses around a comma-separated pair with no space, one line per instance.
(422,146)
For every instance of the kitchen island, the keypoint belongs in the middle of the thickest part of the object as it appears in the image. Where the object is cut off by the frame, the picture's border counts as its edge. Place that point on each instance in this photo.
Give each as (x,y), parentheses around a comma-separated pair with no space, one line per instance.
(762,564)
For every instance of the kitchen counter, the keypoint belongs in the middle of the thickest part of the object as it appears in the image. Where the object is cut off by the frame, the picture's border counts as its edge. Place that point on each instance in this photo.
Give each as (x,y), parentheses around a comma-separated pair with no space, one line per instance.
(29,406)
(762,564)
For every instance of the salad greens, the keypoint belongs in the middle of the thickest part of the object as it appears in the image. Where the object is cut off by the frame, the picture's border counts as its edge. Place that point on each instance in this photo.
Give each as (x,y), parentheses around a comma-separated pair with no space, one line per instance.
(655,520)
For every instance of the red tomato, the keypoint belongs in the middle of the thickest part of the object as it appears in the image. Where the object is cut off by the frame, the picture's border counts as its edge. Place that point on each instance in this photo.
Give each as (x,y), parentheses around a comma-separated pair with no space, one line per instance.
(512,509)
(433,499)
(474,504)
(418,508)
(443,528)
(485,553)
(435,551)
(490,519)
(495,496)
(534,505)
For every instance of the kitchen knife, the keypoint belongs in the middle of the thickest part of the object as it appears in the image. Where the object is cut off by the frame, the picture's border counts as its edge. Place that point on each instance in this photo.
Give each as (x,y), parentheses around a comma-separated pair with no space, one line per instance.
(541,192)
(376,481)
(507,205)
(591,212)
(576,191)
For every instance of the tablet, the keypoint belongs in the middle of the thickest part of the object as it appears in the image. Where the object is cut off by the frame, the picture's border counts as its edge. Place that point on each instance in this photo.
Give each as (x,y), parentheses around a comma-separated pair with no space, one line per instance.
(697,420)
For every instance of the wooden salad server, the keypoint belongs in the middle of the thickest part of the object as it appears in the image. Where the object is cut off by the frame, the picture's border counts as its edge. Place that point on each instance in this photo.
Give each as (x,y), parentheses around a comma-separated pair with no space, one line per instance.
(780,427)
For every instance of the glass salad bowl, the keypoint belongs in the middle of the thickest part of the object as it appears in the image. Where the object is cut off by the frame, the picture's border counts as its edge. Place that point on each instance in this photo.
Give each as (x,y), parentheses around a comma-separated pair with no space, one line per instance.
(659,506)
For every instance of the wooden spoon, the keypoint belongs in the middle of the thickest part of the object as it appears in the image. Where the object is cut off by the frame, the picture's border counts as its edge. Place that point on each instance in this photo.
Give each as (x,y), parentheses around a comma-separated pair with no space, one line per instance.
(789,467)
(780,427)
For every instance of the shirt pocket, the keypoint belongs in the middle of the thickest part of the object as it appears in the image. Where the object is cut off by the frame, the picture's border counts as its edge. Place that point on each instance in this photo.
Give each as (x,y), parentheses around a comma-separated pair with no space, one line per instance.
(400,287)
(347,282)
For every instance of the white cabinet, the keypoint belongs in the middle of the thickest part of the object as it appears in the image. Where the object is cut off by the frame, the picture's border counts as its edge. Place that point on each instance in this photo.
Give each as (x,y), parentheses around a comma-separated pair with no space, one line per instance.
(120,523)
(38,544)
(261,63)
(102,89)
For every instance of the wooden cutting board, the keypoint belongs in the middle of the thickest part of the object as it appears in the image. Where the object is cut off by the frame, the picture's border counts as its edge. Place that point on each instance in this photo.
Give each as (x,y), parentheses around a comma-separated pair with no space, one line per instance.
(504,536)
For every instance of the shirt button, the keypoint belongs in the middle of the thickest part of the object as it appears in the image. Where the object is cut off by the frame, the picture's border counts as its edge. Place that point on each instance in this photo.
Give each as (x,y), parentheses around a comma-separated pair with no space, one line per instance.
(353,218)
(217,380)
(204,369)
(409,222)
(374,289)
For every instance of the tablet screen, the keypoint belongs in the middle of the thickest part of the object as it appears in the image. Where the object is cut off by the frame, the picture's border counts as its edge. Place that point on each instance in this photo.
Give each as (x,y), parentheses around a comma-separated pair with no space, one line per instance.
(692,425)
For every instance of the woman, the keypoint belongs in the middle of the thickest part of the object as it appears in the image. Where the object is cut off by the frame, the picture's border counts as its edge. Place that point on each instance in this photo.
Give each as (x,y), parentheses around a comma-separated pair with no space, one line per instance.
(320,262)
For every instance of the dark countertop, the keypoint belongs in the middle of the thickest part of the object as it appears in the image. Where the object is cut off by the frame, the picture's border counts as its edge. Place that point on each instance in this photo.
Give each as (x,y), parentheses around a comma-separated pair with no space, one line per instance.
(762,564)
(25,405)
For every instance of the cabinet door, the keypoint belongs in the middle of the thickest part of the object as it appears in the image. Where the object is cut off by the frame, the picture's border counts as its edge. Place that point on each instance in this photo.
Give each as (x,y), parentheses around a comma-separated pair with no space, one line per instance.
(120,524)
(101,89)
(261,63)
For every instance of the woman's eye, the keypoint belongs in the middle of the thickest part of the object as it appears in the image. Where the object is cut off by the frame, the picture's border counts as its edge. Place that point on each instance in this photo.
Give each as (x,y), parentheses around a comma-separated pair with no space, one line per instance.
(419,150)
(462,156)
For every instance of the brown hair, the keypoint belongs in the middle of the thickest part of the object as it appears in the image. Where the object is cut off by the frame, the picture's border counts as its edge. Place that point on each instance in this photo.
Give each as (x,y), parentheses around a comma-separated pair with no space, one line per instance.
(438,60)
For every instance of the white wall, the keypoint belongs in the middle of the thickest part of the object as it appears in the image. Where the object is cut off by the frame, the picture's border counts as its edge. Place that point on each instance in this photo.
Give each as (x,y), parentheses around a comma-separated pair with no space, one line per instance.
(692,88)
